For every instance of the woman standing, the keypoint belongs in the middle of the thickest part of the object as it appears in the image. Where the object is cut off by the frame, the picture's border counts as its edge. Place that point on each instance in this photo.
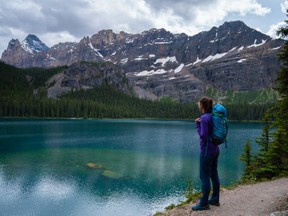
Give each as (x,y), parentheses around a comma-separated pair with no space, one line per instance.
(209,153)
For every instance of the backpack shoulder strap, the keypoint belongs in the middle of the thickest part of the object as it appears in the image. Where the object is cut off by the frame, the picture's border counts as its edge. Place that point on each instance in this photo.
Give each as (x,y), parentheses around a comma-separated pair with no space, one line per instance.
(226,126)
(209,138)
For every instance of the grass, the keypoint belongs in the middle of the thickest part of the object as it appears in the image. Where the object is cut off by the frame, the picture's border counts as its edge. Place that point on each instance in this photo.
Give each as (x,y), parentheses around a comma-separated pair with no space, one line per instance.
(190,195)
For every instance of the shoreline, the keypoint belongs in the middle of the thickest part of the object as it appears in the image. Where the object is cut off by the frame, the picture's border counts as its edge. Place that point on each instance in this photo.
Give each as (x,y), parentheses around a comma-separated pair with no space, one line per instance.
(121,119)
(254,198)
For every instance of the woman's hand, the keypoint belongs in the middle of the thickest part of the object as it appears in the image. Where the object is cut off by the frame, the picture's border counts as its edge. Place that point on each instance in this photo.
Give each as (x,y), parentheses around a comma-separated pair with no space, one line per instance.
(198,120)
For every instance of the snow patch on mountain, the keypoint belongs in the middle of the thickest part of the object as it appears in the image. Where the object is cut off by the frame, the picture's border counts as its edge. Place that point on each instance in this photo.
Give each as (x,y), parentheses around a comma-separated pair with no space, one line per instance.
(159,43)
(27,48)
(164,61)
(129,40)
(151,72)
(241,60)
(197,60)
(257,45)
(140,58)
(214,57)
(275,48)
(241,48)
(213,41)
(124,61)
(179,68)
(95,50)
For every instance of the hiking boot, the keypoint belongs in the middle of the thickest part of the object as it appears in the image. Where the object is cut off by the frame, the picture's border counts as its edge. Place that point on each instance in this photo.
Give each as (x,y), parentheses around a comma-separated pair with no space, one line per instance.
(199,207)
(213,202)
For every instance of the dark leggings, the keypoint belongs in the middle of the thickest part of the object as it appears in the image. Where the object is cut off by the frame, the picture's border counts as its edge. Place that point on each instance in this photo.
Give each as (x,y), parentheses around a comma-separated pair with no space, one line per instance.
(208,170)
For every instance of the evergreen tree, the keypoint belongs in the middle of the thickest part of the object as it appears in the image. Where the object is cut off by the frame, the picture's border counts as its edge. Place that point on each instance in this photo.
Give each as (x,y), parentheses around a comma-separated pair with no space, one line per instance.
(272,159)
(246,157)
(261,167)
(280,147)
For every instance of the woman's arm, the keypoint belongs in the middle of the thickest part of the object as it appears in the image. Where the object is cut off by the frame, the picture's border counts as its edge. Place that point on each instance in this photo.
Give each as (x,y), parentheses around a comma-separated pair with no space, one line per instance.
(203,129)
(198,125)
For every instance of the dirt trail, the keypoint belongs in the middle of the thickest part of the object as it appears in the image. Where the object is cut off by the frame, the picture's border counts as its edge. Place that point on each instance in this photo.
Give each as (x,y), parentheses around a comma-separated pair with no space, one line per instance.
(266,198)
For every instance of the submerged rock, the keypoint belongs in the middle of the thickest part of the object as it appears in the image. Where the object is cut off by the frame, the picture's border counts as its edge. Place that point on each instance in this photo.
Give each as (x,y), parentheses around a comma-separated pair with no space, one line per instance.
(111,174)
(94,166)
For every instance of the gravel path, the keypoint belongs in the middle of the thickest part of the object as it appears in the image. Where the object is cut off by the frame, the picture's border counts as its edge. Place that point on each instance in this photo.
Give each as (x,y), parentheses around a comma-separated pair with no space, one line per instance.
(266,198)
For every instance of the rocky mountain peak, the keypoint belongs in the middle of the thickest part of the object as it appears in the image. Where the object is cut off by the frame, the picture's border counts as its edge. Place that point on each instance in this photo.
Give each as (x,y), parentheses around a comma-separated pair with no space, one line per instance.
(233,24)
(154,34)
(33,44)
(244,34)
(31,37)
(220,40)
(85,40)
(104,38)
(232,56)
(13,44)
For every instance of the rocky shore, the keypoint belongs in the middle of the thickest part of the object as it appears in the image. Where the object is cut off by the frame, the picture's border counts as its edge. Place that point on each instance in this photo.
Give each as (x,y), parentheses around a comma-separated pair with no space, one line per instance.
(265,198)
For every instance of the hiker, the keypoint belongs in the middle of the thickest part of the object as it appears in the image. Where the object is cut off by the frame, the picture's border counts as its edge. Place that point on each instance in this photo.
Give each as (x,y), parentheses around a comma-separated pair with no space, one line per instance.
(209,153)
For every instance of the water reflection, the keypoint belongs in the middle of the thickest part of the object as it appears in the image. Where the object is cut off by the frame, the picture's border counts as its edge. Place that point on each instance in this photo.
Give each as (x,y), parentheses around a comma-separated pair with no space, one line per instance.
(145,165)
(59,178)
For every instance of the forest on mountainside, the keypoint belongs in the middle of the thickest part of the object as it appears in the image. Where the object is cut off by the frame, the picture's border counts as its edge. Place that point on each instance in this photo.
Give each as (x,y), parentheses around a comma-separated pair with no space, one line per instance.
(23,93)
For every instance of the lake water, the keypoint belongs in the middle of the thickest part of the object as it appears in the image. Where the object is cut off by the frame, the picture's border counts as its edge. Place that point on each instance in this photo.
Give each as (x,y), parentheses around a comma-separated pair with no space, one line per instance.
(136,167)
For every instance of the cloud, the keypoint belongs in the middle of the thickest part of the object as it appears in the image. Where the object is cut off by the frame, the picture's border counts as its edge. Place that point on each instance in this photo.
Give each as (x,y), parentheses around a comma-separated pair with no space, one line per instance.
(272,32)
(56,21)
(208,12)
(284,6)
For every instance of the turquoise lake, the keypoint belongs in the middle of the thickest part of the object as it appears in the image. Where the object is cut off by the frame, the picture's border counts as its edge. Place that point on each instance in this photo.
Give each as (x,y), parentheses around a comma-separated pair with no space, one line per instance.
(137,167)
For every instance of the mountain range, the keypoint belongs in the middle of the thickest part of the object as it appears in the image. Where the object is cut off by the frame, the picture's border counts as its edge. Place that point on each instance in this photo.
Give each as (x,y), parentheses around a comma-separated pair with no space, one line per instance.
(158,63)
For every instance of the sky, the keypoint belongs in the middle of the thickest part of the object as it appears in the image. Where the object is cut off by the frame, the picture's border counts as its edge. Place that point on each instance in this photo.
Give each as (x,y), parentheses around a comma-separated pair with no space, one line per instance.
(55,21)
